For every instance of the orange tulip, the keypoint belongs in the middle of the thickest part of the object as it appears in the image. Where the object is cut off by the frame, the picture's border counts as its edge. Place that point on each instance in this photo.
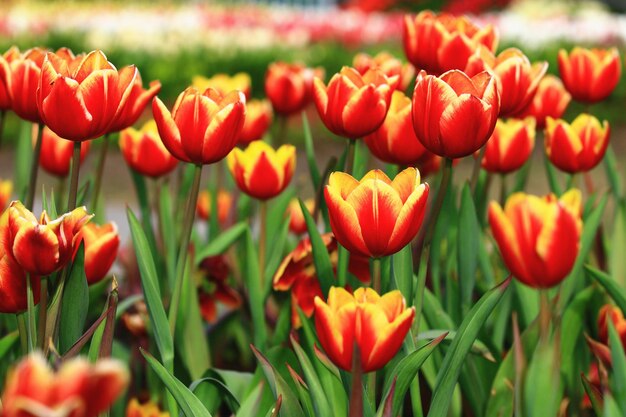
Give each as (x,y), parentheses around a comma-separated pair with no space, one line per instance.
(77,389)
(202,128)
(297,224)
(395,141)
(56,153)
(613,313)
(224,205)
(454,115)
(354,105)
(258,119)
(260,171)
(149,409)
(214,288)
(551,99)
(42,246)
(25,70)
(510,145)
(224,83)
(6,188)
(290,86)
(538,236)
(137,101)
(576,147)
(5,76)
(376,325)
(438,43)
(376,217)
(388,64)
(517,78)
(144,151)
(590,75)
(101,246)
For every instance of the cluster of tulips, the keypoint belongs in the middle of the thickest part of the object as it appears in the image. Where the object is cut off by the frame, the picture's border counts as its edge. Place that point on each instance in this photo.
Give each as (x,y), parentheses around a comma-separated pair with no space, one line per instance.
(385,274)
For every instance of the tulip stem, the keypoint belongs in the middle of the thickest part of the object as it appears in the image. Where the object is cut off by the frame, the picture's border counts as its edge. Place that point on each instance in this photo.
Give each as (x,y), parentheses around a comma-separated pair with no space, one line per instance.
(544,314)
(262,242)
(350,156)
(476,170)
(43,310)
(21,326)
(184,247)
(34,169)
(356,393)
(75,168)
(30,314)
(376,274)
(100,171)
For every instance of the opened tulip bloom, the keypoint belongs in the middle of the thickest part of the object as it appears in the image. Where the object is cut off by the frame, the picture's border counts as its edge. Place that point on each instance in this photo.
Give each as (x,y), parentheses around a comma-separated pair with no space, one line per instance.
(144,151)
(297,223)
(224,205)
(510,145)
(376,324)
(354,105)
(136,103)
(538,237)
(454,115)
(289,87)
(376,216)
(260,171)
(101,246)
(56,153)
(202,128)
(149,409)
(551,99)
(224,83)
(590,75)
(258,119)
(388,64)
(576,147)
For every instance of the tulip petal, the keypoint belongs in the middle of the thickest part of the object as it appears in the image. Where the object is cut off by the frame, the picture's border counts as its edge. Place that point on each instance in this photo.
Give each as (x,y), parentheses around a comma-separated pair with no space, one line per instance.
(466,125)
(335,329)
(36,249)
(409,220)
(223,132)
(74,121)
(344,222)
(168,130)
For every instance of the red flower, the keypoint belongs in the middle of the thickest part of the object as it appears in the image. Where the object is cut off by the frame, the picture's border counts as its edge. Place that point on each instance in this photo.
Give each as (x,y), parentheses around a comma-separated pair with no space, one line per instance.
(615,315)
(214,288)
(135,104)
(224,205)
(510,145)
(551,99)
(258,119)
(297,224)
(144,151)
(6,188)
(290,86)
(101,246)
(388,65)
(224,83)
(590,75)
(5,76)
(56,153)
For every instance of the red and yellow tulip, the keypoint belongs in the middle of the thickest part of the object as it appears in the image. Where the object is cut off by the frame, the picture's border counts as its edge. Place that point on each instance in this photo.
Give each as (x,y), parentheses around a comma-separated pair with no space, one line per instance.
(289,87)
(5,76)
(590,75)
(297,223)
(551,99)
(615,315)
(136,103)
(388,64)
(214,289)
(258,119)
(144,151)
(149,409)
(6,189)
(56,153)
(224,205)
(510,145)
(101,246)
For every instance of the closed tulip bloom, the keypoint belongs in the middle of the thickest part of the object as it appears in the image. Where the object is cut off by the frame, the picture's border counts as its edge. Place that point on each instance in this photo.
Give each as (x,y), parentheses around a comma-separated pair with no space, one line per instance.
(551,99)
(78,389)
(224,83)
(56,153)
(25,71)
(144,151)
(576,147)
(538,237)
(376,216)
(101,246)
(6,188)
(289,87)
(388,64)
(149,409)
(258,119)
(395,141)
(615,315)
(454,115)
(42,246)
(260,171)
(354,105)
(510,146)
(136,103)
(5,77)
(590,75)
(376,324)
(82,103)
(224,205)
(297,224)
(202,128)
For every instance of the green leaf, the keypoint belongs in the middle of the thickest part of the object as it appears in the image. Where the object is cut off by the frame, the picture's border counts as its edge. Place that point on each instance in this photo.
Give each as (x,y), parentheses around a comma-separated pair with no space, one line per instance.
(321,258)
(23,158)
(318,395)
(611,409)
(361,156)
(543,390)
(618,376)
(522,177)
(402,271)
(7,342)
(252,279)
(310,153)
(608,283)
(612,172)
(250,405)
(222,391)
(168,228)
(222,242)
(617,266)
(595,395)
(277,247)
(467,249)
(75,304)
(552,177)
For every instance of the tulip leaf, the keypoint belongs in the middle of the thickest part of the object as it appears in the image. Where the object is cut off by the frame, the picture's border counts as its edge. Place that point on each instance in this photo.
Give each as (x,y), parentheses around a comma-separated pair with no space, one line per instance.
(467,249)
(321,258)
(314,171)
(276,215)
(167,228)
(608,283)
(277,247)
(361,156)
(543,389)
(611,409)
(594,394)
(256,297)
(617,266)
(552,177)
(75,303)
(402,272)
(222,242)
(618,376)
(219,389)
(318,394)
(23,158)
(7,342)
(303,394)
(186,400)
(612,172)
(250,405)
(521,178)
(461,345)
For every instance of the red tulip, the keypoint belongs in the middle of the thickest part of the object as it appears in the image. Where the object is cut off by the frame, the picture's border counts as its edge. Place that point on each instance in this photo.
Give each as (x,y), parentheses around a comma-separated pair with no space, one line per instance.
(5,77)
(615,315)
(101,246)
(290,86)
(297,224)
(224,205)
(144,151)
(25,71)
(56,153)
(137,101)
(258,120)
(510,145)
(388,64)
(551,99)
(590,75)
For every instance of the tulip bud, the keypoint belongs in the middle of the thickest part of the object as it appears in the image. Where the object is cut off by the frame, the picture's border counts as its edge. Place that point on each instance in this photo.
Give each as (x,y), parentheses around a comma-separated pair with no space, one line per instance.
(101,246)
(590,75)
(144,151)
(224,83)
(551,99)
(297,223)
(224,205)
(149,409)
(388,65)
(56,153)
(510,145)
(290,86)
(258,119)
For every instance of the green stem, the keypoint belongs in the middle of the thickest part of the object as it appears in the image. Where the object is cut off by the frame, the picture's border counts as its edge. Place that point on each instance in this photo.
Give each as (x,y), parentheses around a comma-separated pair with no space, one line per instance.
(43,310)
(544,314)
(34,169)
(30,314)
(21,325)
(376,274)
(100,171)
(262,242)
(350,157)
(356,393)
(75,169)
(476,170)
(52,326)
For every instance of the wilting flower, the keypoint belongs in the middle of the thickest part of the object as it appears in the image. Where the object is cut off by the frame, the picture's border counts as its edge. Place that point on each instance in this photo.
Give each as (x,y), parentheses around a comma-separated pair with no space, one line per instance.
(376,216)
(297,224)
(395,141)
(510,145)
(289,87)
(6,188)
(551,99)
(517,78)
(82,103)
(202,128)
(615,315)
(590,75)
(376,325)
(258,119)
(144,151)
(388,64)
(260,171)
(576,147)
(149,409)
(224,83)
(137,101)
(42,246)
(224,205)
(214,288)
(438,43)
(101,246)
(538,236)
(454,115)
(56,153)
(297,274)
(78,389)
(354,105)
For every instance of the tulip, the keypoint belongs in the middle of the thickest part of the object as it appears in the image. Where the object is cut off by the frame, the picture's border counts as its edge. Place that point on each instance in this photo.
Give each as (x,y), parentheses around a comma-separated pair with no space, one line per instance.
(214,288)
(149,409)
(77,389)
(82,103)
(538,237)
(354,105)
(615,315)
(510,145)
(5,77)
(376,217)
(577,147)
(551,99)
(376,324)
(42,246)
(101,246)
(144,151)
(56,153)
(137,101)
(6,188)
(260,171)
(202,128)
(289,87)
(224,205)
(590,75)
(438,43)
(24,73)
(258,119)
(388,64)
(224,83)
(395,141)
(454,115)
(297,223)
